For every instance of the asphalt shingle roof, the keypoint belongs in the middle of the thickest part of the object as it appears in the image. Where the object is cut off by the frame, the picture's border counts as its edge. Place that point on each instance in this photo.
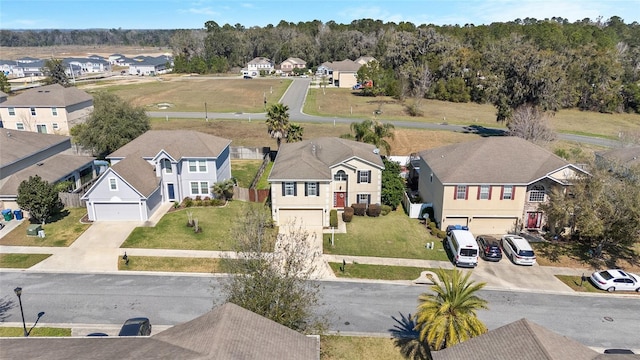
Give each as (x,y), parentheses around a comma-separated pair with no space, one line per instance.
(48,96)
(138,173)
(313,159)
(178,143)
(16,145)
(492,160)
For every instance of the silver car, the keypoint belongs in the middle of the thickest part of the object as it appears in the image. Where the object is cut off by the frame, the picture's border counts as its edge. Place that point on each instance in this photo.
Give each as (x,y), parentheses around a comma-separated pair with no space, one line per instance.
(615,280)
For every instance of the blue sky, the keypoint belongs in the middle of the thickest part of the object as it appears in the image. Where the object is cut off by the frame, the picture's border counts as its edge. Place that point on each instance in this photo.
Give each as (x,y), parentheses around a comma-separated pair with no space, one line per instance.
(181,14)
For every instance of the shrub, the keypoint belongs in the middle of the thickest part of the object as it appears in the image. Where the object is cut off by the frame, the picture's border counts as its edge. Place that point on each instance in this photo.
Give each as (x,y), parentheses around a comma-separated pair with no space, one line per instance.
(217,202)
(347,215)
(188,202)
(359,209)
(333,218)
(440,234)
(373,210)
(385,210)
(176,204)
(198,198)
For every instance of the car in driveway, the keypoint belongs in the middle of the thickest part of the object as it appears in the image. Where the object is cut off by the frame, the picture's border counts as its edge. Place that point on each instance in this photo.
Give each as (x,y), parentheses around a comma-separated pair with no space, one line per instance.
(518,250)
(615,280)
(489,248)
(139,326)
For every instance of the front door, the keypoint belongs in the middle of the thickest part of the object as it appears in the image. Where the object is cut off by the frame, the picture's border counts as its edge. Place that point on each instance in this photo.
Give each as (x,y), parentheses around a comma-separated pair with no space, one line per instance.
(339,199)
(170,192)
(533,220)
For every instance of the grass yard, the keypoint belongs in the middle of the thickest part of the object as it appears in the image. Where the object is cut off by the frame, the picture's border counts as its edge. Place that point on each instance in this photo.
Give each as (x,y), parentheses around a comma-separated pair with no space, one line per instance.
(36,332)
(172,264)
(171,232)
(566,254)
(21,261)
(61,231)
(244,171)
(574,283)
(394,236)
(190,93)
(334,347)
(378,272)
(262,182)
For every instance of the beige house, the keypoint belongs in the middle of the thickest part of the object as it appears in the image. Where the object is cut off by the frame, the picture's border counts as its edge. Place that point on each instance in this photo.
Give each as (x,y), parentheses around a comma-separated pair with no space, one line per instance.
(291,63)
(311,177)
(493,185)
(51,109)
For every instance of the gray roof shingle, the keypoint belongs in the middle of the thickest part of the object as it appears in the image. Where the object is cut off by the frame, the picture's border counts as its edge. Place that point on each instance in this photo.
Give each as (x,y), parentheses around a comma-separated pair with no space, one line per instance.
(16,145)
(48,96)
(138,173)
(178,143)
(313,159)
(492,160)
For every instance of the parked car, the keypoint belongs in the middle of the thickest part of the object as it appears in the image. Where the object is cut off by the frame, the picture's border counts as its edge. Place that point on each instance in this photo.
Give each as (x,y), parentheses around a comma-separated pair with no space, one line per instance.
(357,86)
(518,250)
(618,351)
(615,280)
(247,77)
(489,248)
(140,326)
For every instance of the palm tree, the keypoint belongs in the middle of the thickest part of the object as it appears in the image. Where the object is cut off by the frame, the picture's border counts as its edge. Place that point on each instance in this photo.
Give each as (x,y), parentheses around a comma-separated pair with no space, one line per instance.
(223,189)
(407,338)
(449,317)
(372,132)
(294,134)
(278,122)
(382,131)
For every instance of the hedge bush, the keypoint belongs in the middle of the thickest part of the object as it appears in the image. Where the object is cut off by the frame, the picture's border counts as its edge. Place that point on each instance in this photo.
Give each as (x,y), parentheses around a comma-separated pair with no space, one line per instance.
(347,214)
(359,209)
(333,218)
(373,210)
(385,210)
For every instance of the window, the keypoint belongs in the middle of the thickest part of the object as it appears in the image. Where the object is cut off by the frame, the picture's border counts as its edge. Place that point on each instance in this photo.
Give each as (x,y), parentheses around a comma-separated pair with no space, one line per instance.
(20,126)
(197,166)
(484,192)
(507,192)
(113,184)
(33,111)
(536,194)
(340,176)
(461,192)
(312,189)
(54,111)
(12,111)
(289,189)
(165,165)
(41,128)
(55,126)
(364,198)
(199,188)
(364,176)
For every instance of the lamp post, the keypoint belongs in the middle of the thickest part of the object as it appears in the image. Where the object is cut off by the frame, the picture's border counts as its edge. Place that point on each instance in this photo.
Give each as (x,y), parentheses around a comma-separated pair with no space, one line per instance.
(206,115)
(18,292)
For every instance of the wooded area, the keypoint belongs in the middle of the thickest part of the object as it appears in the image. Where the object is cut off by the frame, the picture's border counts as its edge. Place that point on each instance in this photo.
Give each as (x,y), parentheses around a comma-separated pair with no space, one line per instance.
(551,64)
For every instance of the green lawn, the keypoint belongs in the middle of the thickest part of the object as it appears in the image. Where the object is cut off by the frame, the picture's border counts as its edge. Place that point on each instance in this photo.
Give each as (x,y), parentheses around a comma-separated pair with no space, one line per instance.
(21,261)
(394,235)
(333,347)
(171,264)
(263,183)
(37,331)
(172,231)
(244,171)
(381,272)
(574,283)
(62,230)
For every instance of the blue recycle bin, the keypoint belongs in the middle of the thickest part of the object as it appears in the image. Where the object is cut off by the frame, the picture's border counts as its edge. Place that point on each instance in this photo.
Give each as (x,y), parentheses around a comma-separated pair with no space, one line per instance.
(18,214)
(7,214)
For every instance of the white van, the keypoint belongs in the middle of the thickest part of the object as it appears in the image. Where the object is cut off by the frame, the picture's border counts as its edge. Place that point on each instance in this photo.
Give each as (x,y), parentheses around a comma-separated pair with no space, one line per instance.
(463,246)
(518,250)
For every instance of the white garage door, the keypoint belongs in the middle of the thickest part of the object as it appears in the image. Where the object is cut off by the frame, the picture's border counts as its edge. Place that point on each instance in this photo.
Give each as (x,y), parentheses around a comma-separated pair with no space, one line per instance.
(304,218)
(491,226)
(117,212)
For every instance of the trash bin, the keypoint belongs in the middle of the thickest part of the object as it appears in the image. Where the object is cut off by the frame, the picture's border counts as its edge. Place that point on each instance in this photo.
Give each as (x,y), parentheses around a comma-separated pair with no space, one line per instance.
(33,229)
(18,214)
(7,214)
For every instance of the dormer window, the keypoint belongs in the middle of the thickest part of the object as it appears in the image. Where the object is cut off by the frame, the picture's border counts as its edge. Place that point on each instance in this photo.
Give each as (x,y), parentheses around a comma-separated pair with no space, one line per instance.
(165,165)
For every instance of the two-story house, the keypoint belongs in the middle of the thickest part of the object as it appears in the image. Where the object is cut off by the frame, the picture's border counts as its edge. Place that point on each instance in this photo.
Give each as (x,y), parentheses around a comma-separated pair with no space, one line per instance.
(311,177)
(158,166)
(51,109)
(291,63)
(259,65)
(493,185)
(24,154)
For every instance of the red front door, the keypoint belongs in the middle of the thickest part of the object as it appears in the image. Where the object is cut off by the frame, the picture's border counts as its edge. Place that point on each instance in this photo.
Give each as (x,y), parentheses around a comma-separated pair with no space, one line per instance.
(339,199)
(533,220)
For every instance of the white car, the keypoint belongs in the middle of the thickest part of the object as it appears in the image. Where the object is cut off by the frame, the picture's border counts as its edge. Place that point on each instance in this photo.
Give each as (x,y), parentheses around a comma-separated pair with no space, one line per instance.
(616,280)
(518,250)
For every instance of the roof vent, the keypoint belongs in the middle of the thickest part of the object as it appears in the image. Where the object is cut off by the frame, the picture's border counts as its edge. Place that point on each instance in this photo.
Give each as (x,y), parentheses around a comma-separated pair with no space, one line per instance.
(376,151)
(40,164)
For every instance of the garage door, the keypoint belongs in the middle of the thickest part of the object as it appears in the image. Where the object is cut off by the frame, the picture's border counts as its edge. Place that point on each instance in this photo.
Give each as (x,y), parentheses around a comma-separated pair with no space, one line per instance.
(117,212)
(305,218)
(491,226)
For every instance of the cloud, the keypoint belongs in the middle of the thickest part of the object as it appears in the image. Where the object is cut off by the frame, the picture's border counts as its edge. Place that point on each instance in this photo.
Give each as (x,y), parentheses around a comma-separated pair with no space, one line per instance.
(200,11)
(247,5)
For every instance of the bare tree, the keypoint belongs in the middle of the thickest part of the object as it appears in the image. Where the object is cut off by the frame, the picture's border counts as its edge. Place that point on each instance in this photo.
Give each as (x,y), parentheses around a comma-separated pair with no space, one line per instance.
(530,123)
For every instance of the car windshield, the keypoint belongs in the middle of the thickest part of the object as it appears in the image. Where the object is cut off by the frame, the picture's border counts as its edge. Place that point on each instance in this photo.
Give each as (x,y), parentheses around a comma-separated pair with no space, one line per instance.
(525,253)
(468,252)
(605,275)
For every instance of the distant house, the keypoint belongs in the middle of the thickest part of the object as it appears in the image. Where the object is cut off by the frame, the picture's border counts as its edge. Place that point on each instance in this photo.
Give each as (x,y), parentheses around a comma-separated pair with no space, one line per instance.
(157,167)
(51,109)
(363,60)
(88,65)
(620,161)
(149,66)
(493,185)
(311,177)
(26,154)
(260,65)
(291,63)
(226,332)
(342,74)
(11,69)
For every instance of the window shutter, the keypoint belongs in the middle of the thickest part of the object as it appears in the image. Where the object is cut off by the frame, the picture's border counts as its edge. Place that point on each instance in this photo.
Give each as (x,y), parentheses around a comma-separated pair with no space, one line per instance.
(513,192)
(295,189)
(358,175)
(455,192)
(368,199)
(306,189)
(479,187)
(490,188)
(466,192)
(369,176)
(318,189)
(502,192)
(283,190)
